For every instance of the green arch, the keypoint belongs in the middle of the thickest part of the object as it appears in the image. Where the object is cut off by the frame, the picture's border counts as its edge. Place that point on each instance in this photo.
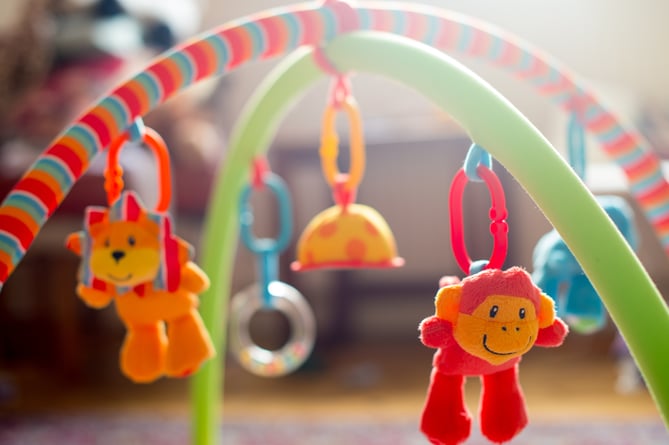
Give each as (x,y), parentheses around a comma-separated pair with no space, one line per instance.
(629,294)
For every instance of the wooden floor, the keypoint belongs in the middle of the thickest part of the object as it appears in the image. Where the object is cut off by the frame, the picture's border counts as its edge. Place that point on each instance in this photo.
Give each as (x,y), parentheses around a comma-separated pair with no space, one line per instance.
(381,380)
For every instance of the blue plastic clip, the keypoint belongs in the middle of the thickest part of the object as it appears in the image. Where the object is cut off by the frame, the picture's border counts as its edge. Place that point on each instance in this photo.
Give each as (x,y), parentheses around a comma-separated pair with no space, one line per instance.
(136,130)
(576,145)
(476,156)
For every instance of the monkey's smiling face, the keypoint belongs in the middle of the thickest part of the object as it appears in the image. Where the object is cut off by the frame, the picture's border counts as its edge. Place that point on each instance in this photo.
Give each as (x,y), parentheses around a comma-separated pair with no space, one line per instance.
(500,328)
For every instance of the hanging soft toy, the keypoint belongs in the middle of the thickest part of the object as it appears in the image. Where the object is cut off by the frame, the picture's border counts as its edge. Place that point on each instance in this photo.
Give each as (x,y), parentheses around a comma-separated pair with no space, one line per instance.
(129,255)
(556,270)
(559,275)
(481,327)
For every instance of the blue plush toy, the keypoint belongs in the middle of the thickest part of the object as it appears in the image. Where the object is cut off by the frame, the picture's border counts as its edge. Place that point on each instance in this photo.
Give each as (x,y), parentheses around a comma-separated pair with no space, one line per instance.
(559,275)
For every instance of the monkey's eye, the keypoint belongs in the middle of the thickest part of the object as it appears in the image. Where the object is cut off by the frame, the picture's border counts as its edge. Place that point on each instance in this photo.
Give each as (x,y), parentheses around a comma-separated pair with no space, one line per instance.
(106,242)
(521,313)
(493,311)
(131,240)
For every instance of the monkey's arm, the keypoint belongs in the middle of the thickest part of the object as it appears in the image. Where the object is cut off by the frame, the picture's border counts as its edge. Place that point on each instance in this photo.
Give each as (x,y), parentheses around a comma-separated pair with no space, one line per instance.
(436,332)
(552,335)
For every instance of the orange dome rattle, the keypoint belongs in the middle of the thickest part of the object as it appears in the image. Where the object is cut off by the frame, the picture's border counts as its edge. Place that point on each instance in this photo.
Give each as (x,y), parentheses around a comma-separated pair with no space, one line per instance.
(347,235)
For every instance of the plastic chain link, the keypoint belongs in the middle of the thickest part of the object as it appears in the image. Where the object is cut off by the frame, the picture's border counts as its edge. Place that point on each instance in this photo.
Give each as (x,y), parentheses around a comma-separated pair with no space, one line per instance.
(498,213)
(269,293)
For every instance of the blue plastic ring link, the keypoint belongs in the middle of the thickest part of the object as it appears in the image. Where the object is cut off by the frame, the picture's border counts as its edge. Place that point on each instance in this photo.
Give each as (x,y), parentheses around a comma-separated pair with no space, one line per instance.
(267,245)
(267,250)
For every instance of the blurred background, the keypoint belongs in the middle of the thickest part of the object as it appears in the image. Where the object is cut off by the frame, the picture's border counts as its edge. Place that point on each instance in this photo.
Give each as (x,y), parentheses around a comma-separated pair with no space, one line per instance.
(59,56)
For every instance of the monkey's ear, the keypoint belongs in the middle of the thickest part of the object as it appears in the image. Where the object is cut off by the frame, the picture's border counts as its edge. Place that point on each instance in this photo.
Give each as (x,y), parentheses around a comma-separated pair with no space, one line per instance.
(447,302)
(546,315)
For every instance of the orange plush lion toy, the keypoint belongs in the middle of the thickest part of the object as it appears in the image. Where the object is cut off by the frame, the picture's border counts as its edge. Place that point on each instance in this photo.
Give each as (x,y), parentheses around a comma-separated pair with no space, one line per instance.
(129,255)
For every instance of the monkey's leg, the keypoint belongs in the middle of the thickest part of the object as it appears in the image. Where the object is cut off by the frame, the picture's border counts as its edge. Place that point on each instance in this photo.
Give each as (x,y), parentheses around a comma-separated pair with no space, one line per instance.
(503,413)
(445,419)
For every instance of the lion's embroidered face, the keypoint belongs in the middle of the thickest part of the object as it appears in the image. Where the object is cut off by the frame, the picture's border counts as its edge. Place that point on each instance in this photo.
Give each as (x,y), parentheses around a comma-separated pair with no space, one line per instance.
(127,246)
(125,253)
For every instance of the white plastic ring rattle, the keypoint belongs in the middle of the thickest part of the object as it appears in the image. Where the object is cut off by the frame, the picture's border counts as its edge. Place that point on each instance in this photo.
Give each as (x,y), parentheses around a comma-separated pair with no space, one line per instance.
(290,302)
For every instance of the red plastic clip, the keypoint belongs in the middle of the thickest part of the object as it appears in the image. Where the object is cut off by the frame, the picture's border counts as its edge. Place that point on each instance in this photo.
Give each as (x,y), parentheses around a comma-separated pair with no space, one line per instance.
(340,91)
(343,195)
(260,169)
(498,213)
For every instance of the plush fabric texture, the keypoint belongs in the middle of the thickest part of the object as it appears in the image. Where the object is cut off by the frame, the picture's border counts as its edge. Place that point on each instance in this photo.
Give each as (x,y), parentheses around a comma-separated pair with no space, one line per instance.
(130,256)
(553,335)
(126,212)
(501,328)
(513,281)
(450,358)
(445,419)
(502,413)
(482,327)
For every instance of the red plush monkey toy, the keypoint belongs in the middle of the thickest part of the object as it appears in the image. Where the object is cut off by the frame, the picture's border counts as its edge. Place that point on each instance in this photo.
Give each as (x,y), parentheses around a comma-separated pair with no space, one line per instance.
(482,327)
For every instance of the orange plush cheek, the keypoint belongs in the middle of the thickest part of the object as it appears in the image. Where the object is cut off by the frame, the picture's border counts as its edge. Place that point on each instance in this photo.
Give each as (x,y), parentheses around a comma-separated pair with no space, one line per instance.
(499,329)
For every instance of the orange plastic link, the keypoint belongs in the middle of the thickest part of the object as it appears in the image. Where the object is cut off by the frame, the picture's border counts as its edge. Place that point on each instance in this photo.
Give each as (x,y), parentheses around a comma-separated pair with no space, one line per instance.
(329,150)
(114,172)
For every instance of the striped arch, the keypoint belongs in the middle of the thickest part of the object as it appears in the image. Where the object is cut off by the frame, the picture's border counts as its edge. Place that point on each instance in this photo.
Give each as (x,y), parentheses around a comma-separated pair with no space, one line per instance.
(269,34)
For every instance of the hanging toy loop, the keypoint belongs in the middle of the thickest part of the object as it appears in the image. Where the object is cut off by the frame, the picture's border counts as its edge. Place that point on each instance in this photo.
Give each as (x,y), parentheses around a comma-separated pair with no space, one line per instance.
(267,245)
(346,235)
(329,150)
(267,249)
(291,304)
(497,214)
(114,172)
(269,293)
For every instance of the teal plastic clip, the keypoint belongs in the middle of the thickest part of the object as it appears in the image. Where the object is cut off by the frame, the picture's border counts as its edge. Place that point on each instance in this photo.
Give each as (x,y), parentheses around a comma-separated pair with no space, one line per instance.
(476,156)
(136,130)
(576,145)
(267,250)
